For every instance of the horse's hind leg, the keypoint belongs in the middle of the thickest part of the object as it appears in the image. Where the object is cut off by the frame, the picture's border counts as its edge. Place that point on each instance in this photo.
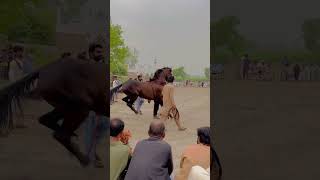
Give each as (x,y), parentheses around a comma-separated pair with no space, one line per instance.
(130,104)
(72,121)
(51,119)
(126,99)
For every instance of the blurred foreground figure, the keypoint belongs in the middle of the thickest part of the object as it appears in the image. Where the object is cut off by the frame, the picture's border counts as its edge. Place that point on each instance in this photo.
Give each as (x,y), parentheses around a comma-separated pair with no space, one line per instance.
(73,87)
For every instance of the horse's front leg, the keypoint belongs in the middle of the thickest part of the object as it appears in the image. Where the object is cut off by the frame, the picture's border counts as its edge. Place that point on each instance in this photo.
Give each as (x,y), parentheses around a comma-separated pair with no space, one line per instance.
(72,121)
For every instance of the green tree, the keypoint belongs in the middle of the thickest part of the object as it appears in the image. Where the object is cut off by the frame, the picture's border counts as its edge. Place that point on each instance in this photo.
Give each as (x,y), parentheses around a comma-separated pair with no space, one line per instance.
(225,35)
(179,73)
(207,72)
(311,34)
(119,51)
(30,21)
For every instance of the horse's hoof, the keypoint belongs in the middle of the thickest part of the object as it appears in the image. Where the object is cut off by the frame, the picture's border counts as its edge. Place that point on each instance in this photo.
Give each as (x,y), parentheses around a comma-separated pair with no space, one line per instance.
(84,160)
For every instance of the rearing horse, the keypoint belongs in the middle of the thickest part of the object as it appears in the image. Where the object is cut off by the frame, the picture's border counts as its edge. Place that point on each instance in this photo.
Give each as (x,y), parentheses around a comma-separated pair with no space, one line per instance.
(151,90)
(73,87)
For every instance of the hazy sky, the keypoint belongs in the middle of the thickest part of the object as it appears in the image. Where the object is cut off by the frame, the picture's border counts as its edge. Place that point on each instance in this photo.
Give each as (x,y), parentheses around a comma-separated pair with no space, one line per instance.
(176,32)
(271,23)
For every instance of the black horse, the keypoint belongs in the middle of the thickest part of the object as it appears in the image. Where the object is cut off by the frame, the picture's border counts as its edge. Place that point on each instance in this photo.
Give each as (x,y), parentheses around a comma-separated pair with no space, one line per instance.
(73,87)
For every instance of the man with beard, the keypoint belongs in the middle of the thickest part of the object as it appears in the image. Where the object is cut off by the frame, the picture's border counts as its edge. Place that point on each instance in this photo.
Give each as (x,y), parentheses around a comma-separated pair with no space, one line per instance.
(95,126)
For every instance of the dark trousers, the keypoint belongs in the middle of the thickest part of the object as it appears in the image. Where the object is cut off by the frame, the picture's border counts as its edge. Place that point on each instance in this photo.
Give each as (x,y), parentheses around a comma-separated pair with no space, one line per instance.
(296,75)
(156,107)
(245,73)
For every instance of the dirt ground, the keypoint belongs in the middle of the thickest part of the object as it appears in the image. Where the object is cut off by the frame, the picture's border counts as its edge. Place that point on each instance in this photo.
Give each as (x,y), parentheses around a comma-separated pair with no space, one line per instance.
(267,130)
(194,107)
(32,153)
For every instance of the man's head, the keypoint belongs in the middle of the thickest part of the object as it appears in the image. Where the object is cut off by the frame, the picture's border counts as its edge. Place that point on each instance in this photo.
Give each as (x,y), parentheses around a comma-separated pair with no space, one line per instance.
(204,135)
(140,77)
(96,52)
(157,129)
(116,127)
(170,79)
(18,51)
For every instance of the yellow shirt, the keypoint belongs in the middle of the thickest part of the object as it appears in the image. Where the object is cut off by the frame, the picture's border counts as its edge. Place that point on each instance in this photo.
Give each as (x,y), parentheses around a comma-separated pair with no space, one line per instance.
(168,100)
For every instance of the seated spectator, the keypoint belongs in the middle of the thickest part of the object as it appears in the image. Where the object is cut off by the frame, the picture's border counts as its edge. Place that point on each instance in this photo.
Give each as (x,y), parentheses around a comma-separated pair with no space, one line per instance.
(199,173)
(196,154)
(119,152)
(152,157)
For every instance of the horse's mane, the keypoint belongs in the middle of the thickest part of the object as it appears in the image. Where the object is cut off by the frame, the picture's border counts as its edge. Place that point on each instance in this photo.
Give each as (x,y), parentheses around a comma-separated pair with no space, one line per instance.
(156,74)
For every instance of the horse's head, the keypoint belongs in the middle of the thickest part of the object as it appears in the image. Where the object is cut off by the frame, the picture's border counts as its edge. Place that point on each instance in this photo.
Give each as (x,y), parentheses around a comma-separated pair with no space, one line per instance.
(162,74)
(167,72)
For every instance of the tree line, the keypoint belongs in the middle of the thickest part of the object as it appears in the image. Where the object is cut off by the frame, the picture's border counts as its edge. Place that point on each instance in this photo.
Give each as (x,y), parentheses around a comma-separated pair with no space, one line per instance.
(180,75)
(228,43)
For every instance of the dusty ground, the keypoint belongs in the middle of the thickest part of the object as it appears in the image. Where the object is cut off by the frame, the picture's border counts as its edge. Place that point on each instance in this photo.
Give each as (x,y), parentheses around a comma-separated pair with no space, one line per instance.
(194,107)
(267,130)
(32,154)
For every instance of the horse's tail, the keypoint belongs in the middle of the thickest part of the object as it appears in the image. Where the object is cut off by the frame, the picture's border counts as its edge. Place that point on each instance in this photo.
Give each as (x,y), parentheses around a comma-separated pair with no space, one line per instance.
(10,97)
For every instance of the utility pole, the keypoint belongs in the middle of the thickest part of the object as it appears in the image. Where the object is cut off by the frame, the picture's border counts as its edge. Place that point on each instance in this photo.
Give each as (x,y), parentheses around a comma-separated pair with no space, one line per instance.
(155,63)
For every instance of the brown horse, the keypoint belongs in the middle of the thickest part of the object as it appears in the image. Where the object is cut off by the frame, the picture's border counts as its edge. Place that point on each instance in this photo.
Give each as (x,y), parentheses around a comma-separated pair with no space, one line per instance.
(73,87)
(151,90)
